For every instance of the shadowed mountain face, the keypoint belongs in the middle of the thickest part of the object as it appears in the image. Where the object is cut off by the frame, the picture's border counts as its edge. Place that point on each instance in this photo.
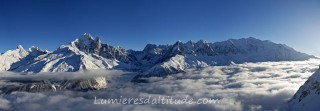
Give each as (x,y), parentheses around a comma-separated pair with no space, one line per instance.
(88,53)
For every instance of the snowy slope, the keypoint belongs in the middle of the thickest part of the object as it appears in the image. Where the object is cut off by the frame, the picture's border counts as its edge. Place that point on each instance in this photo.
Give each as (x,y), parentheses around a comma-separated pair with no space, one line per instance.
(14,58)
(84,53)
(67,59)
(307,98)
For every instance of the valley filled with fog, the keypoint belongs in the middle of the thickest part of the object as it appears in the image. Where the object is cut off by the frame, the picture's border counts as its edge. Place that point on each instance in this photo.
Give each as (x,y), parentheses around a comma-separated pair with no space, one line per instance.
(247,87)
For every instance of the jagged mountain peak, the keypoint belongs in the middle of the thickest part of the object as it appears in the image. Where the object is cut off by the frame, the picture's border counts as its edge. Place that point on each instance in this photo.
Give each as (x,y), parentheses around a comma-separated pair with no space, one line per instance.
(201,41)
(149,47)
(18,52)
(36,51)
(32,48)
(86,36)
(253,38)
(248,39)
(97,39)
(35,48)
(21,52)
(85,39)
(14,58)
(190,41)
(91,45)
(20,47)
(87,44)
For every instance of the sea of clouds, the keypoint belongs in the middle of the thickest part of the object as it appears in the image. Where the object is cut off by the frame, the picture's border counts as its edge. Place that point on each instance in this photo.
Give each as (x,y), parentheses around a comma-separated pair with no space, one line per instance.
(238,87)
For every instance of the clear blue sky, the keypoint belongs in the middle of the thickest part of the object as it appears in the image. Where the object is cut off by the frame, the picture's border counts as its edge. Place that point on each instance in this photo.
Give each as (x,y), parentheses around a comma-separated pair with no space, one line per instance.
(134,23)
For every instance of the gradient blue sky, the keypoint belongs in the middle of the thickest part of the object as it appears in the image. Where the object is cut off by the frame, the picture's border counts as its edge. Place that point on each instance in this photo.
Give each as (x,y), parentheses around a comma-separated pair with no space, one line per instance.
(134,23)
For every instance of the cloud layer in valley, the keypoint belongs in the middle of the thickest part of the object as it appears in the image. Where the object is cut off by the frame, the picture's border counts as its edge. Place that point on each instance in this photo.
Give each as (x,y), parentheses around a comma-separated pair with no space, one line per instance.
(239,87)
(12,76)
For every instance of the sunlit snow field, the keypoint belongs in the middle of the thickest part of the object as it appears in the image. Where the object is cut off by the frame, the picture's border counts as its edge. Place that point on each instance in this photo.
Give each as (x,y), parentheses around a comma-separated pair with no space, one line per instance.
(246,87)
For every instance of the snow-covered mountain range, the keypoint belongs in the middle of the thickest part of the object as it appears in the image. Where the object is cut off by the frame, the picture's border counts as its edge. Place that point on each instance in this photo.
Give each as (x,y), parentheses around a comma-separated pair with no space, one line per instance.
(15,58)
(87,53)
(163,60)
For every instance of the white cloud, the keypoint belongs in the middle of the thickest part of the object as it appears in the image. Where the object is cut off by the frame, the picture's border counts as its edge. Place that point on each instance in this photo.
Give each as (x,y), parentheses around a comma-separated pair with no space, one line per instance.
(241,87)
(58,75)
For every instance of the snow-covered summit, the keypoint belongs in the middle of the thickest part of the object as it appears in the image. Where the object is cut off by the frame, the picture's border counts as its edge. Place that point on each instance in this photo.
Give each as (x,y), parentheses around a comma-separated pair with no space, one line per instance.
(88,44)
(12,58)
(36,51)
(66,59)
